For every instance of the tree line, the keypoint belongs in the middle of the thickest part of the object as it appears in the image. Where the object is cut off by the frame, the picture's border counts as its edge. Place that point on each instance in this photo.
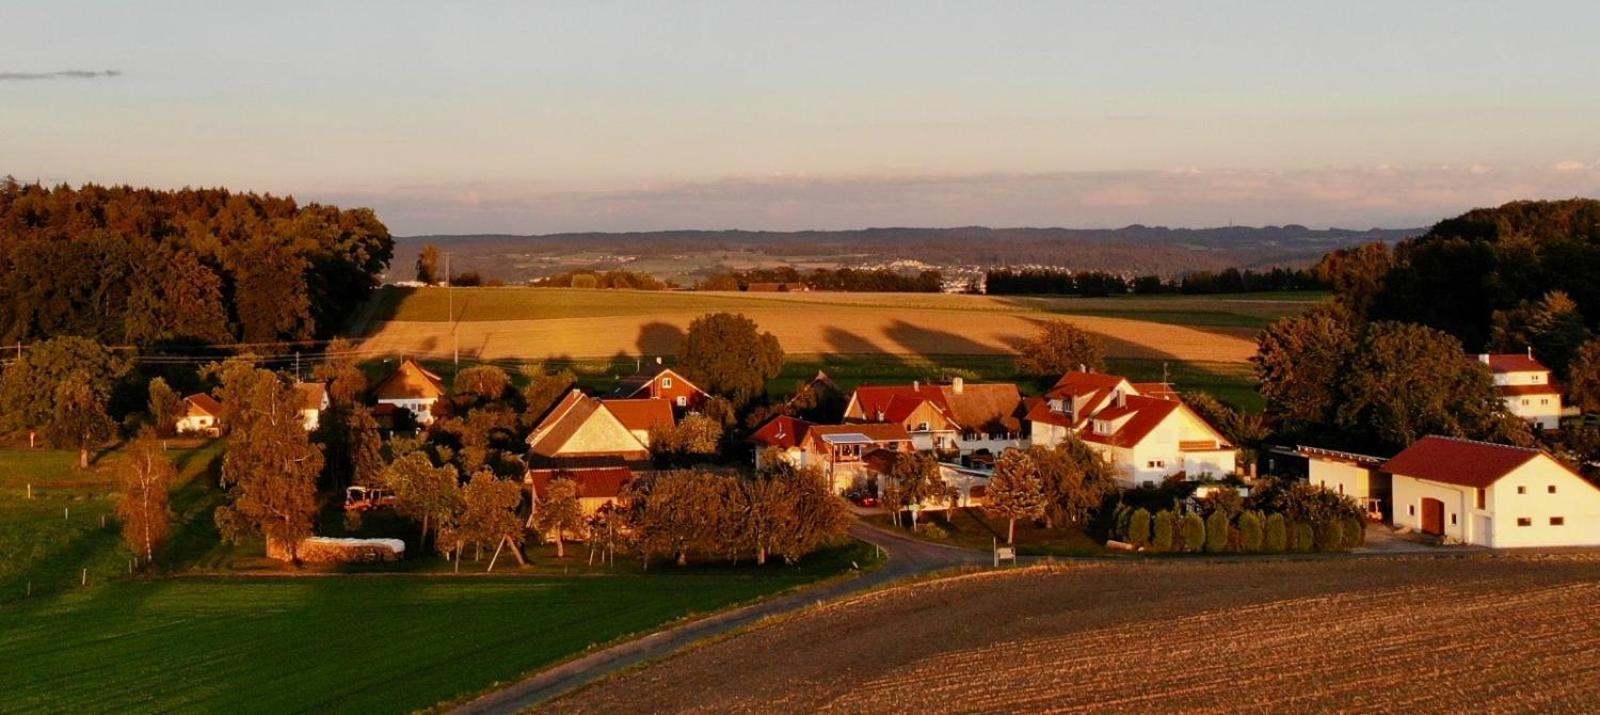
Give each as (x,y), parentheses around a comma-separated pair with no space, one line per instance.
(199,266)
(877,280)
(1095,284)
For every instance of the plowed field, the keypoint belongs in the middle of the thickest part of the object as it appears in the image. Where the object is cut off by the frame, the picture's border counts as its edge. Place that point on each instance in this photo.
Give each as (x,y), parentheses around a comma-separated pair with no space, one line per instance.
(1481,633)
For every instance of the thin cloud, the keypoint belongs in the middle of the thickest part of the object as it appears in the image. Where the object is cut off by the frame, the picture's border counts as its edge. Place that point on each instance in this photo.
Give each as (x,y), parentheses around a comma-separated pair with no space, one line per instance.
(58,74)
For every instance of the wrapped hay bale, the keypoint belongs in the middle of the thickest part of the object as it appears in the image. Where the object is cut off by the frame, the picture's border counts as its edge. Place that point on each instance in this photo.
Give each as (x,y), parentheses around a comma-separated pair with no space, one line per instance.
(328,550)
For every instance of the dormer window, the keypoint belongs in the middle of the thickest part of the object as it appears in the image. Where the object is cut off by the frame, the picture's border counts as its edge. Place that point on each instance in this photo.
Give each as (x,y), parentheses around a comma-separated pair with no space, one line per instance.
(1102,427)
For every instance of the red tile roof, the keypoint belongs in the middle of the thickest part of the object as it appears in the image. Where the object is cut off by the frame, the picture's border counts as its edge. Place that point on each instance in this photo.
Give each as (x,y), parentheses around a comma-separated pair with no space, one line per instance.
(641,414)
(1513,362)
(410,380)
(205,403)
(604,483)
(978,407)
(1143,413)
(782,432)
(1459,461)
(1083,383)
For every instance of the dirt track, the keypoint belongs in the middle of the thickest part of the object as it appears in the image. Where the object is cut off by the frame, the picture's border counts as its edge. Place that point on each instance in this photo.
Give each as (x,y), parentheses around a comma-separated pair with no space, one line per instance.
(1486,633)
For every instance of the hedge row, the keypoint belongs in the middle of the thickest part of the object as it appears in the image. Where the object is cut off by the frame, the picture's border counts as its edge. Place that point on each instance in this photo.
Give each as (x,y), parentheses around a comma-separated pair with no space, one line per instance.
(1250,531)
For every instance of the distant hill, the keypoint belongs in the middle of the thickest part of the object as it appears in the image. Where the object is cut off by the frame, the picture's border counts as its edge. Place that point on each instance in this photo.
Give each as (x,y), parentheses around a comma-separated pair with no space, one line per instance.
(683,255)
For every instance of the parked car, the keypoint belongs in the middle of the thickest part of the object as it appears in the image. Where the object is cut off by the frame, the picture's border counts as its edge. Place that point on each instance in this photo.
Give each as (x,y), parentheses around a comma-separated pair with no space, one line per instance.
(862,499)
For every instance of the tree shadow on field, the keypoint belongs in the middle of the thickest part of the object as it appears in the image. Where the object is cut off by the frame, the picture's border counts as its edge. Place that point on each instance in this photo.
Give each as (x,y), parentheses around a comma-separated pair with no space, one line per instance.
(658,338)
(846,342)
(929,342)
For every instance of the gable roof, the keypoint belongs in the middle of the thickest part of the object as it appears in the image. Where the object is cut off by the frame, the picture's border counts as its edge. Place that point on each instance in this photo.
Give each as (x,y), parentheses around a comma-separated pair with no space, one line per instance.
(1465,462)
(1512,362)
(641,415)
(410,381)
(575,412)
(1081,383)
(782,432)
(204,403)
(1158,390)
(637,382)
(1143,415)
(980,407)
(604,483)
(1549,388)
(313,395)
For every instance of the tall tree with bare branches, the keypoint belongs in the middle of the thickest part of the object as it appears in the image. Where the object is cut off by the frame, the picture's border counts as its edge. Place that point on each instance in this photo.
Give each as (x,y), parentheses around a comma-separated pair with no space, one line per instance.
(144,479)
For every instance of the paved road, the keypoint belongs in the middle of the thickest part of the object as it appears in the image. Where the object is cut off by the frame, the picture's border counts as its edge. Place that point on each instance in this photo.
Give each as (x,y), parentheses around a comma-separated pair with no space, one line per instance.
(907,557)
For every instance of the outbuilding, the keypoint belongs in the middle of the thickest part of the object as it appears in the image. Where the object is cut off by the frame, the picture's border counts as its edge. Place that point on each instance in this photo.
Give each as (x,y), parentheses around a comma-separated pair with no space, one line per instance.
(1492,495)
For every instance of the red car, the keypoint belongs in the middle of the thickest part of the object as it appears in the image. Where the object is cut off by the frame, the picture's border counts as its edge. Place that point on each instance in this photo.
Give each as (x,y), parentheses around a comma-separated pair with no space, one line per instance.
(863,500)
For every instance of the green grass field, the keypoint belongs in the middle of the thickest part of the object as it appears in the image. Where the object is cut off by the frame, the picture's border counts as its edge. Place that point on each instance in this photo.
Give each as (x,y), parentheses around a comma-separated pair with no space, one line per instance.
(219,627)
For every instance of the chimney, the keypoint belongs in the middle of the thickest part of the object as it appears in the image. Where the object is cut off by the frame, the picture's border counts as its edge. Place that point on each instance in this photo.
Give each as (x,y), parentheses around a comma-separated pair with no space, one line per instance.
(958,385)
(1082,367)
(658,359)
(1122,400)
(1530,352)
(916,385)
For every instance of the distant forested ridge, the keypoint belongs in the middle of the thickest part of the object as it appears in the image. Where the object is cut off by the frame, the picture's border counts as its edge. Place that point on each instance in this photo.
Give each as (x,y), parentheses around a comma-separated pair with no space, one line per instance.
(1036,281)
(201,266)
(1133,250)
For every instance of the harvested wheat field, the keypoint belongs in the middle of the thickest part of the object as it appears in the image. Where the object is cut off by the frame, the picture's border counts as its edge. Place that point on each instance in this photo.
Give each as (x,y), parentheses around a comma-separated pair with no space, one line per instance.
(545,323)
(1488,633)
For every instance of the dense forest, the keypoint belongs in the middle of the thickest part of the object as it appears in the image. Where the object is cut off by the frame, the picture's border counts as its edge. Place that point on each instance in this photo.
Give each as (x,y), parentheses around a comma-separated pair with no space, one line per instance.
(1051,281)
(195,266)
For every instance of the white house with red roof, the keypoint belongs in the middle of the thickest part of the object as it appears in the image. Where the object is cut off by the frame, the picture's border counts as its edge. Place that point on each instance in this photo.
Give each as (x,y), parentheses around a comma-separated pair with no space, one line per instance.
(657,381)
(1492,495)
(1147,438)
(1525,385)
(961,417)
(313,401)
(202,414)
(410,387)
(600,444)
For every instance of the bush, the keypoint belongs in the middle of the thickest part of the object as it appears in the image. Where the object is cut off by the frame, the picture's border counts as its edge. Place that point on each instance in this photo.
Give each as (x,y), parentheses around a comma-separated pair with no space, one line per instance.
(1162,538)
(1139,527)
(1355,533)
(1194,532)
(1217,532)
(1330,535)
(1119,521)
(1250,533)
(1304,539)
(930,530)
(1276,538)
(585,280)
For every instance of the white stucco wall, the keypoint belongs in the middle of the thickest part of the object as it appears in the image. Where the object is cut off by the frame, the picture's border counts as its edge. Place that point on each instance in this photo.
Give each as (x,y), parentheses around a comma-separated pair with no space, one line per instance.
(421,408)
(1574,501)
(1342,477)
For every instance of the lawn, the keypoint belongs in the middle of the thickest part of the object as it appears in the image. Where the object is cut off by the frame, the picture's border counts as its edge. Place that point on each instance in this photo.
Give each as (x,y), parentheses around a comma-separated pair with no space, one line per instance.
(221,627)
(973,529)
(381,643)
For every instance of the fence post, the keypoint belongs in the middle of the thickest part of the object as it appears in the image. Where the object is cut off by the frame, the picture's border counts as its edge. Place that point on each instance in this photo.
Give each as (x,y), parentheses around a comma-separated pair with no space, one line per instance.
(85,577)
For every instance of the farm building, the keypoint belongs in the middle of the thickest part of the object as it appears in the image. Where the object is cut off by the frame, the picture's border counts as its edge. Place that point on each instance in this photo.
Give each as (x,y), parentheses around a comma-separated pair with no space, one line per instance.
(980,418)
(1358,476)
(313,401)
(1147,438)
(1492,495)
(663,383)
(411,387)
(202,414)
(598,443)
(1525,385)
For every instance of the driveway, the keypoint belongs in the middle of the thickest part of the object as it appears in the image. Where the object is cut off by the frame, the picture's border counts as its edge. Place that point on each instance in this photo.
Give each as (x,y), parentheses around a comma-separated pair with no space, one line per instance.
(907,557)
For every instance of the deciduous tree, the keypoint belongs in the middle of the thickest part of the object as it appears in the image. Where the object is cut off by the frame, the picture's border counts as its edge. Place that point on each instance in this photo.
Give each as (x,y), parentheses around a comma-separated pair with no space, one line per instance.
(489,516)
(270,468)
(166,408)
(428,264)
(560,512)
(1058,348)
(61,387)
(1016,491)
(143,479)
(726,354)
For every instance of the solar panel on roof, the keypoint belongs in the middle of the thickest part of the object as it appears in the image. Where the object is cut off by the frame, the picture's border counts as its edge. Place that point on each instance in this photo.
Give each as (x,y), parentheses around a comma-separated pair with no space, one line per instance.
(847,438)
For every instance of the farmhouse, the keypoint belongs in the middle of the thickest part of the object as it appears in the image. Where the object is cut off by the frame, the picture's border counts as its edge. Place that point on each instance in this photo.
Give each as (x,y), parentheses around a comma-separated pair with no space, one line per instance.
(1492,495)
(1147,438)
(981,418)
(598,443)
(411,387)
(842,452)
(202,415)
(1524,384)
(313,400)
(663,383)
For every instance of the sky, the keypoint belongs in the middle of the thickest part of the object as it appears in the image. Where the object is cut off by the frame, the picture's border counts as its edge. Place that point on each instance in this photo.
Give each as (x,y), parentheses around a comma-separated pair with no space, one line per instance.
(522,117)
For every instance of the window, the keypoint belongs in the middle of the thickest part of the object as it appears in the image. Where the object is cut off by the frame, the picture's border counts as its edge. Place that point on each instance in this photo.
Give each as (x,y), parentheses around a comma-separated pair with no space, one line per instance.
(921,427)
(1482,497)
(683,401)
(1558,520)
(1452,519)
(1544,401)
(666,384)
(1522,490)
(1550,489)
(1524,521)
(1524,402)
(1412,510)
(1537,378)
(1156,464)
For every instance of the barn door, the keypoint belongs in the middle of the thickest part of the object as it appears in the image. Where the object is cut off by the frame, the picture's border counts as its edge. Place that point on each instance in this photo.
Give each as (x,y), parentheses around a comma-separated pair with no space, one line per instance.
(1433,517)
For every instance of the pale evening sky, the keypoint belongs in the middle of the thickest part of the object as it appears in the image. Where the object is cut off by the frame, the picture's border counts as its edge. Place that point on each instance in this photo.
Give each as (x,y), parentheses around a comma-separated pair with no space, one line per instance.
(528,118)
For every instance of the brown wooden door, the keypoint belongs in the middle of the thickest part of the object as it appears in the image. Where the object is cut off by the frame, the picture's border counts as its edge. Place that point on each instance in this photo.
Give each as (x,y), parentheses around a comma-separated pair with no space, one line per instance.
(1433,517)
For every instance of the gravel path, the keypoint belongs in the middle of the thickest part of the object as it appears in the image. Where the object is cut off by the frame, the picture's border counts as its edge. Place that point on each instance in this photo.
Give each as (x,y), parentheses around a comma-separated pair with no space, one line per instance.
(908,557)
